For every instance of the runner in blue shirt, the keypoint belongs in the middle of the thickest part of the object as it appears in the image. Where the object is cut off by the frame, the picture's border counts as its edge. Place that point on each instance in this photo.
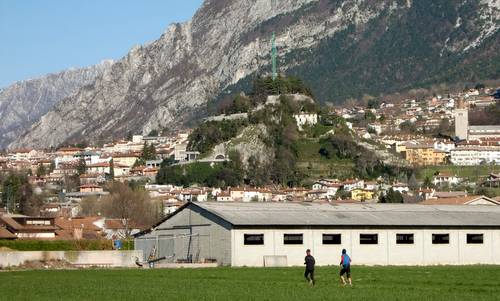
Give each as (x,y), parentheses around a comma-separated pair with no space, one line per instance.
(345,262)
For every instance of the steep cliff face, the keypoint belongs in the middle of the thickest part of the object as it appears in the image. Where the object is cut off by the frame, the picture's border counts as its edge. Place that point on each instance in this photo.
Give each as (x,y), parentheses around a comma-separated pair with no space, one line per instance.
(23,103)
(162,85)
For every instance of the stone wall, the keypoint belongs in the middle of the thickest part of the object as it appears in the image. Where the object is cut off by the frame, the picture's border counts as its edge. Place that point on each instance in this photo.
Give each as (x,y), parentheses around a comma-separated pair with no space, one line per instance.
(78,258)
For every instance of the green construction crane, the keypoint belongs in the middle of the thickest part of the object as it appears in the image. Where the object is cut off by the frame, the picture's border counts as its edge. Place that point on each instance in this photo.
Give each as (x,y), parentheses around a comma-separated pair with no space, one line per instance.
(273,56)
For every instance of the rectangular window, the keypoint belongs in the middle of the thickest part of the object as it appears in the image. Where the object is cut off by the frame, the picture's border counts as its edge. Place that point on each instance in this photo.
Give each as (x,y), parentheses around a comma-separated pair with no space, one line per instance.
(292,239)
(475,238)
(368,239)
(404,239)
(254,239)
(332,239)
(440,239)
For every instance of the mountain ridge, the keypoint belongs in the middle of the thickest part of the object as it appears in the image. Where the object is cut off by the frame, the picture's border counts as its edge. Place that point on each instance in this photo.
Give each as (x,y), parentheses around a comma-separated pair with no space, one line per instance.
(24,102)
(169,82)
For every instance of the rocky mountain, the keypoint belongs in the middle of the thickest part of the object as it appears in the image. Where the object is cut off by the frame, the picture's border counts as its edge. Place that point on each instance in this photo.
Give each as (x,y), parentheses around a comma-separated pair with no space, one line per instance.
(23,103)
(341,48)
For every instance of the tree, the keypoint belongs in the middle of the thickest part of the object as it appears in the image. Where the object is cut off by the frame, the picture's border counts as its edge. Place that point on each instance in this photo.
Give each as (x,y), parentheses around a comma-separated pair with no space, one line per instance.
(211,133)
(31,203)
(408,127)
(342,194)
(81,167)
(485,191)
(479,86)
(148,153)
(369,116)
(444,125)
(52,166)
(129,136)
(17,195)
(256,172)
(167,161)
(41,170)
(130,206)
(428,182)
(111,169)
(373,104)
(71,182)
(11,192)
(391,196)
(412,182)
(153,133)
(90,206)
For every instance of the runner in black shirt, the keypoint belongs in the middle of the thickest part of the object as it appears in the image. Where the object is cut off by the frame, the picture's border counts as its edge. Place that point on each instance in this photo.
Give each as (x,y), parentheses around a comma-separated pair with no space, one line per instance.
(309,262)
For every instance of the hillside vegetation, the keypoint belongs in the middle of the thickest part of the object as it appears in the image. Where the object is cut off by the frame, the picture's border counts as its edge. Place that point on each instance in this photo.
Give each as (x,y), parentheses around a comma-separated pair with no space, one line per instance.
(292,157)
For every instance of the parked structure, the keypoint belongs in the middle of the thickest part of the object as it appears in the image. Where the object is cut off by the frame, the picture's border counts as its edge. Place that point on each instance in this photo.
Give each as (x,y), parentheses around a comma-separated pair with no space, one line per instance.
(253,234)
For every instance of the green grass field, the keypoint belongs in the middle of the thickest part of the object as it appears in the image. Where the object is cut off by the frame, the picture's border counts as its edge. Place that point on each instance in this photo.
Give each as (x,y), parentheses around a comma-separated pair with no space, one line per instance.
(370,283)
(472,173)
(311,163)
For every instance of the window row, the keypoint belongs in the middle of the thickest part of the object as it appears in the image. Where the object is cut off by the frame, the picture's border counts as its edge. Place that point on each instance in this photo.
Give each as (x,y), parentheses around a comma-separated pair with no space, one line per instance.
(364,239)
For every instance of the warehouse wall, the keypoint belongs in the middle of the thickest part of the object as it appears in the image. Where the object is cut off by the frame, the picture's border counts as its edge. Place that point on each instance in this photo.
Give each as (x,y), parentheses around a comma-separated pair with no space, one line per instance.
(386,252)
(193,234)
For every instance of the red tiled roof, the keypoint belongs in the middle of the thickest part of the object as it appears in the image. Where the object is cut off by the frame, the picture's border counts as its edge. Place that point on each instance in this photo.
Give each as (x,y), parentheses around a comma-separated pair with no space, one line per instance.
(22,150)
(86,223)
(126,155)
(117,224)
(452,201)
(444,174)
(99,164)
(89,186)
(6,234)
(14,224)
(69,149)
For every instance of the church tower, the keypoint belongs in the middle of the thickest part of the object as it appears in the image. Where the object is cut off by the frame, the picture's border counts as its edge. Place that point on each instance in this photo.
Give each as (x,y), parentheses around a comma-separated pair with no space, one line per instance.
(461,120)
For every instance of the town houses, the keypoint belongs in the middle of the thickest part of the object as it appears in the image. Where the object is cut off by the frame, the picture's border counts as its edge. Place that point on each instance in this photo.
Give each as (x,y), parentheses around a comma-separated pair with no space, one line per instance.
(418,135)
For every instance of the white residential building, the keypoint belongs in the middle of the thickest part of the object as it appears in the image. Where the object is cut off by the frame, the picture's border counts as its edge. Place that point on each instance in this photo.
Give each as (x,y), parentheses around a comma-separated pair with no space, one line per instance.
(445,178)
(475,155)
(353,184)
(445,146)
(330,188)
(303,119)
(401,187)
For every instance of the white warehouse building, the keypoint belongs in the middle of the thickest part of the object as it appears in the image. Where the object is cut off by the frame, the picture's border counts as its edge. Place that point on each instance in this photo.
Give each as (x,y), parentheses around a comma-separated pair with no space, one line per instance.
(267,234)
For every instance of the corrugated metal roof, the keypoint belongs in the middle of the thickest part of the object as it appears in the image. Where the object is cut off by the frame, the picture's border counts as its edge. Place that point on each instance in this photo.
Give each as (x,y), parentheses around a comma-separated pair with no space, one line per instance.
(341,215)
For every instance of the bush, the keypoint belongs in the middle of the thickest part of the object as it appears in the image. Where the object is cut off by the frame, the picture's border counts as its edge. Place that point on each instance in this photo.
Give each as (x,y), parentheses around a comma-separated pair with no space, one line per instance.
(211,133)
(202,173)
(63,245)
